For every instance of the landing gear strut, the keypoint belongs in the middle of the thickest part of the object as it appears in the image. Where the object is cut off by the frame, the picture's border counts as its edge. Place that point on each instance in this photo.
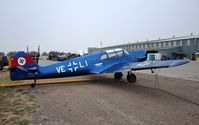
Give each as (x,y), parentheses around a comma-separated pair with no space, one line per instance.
(131,77)
(118,75)
(33,85)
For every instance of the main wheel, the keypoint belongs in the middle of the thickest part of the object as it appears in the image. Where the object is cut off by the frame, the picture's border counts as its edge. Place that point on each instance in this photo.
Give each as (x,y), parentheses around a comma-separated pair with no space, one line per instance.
(32,85)
(118,75)
(131,77)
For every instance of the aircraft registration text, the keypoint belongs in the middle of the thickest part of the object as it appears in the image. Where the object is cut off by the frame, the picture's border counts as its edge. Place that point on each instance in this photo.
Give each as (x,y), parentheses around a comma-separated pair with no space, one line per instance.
(72,66)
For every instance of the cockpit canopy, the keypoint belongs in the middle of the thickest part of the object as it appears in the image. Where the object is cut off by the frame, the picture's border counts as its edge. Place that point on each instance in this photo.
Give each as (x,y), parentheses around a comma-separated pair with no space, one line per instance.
(115,53)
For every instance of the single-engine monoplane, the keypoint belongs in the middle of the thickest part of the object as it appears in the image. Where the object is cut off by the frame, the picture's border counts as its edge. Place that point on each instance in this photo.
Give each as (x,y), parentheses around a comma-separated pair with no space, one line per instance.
(114,61)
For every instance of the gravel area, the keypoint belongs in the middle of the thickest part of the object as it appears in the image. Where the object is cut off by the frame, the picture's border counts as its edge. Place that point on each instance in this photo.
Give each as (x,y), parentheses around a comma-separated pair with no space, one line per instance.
(116,102)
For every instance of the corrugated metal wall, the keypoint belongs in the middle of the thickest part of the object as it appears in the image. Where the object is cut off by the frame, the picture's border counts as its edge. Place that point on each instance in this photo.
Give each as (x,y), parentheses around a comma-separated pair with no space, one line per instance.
(183,45)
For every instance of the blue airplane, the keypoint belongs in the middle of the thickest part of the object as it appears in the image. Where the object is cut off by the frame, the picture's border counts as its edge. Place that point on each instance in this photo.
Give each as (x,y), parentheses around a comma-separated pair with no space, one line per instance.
(114,61)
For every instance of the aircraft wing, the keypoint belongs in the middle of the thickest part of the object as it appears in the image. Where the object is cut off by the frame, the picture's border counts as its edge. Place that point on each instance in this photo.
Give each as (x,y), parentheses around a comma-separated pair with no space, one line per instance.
(144,65)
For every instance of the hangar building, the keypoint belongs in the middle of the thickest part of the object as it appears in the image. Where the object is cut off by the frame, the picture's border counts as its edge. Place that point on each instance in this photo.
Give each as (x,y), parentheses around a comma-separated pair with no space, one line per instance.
(175,47)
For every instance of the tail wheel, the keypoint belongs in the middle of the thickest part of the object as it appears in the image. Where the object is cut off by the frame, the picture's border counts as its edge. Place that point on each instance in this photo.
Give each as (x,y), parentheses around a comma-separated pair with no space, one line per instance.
(118,75)
(34,84)
(131,77)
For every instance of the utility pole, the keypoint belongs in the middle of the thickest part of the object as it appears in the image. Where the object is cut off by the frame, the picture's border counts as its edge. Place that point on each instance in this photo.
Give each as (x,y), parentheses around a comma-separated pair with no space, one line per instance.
(27,49)
(38,53)
(100,44)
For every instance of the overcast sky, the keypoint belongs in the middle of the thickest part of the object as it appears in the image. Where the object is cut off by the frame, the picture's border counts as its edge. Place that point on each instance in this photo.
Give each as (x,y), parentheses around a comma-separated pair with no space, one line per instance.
(72,25)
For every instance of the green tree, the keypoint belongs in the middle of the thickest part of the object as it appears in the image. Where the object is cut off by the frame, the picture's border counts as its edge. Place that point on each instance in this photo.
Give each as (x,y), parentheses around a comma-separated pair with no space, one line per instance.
(53,54)
(2,54)
(44,54)
(11,54)
(34,55)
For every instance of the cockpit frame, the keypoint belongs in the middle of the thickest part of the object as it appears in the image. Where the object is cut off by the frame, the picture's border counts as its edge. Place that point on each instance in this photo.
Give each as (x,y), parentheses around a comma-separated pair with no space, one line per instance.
(112,54)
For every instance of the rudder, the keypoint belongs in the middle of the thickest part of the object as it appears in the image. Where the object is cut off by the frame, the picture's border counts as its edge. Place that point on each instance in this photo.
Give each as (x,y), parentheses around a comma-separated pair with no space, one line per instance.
(23,67)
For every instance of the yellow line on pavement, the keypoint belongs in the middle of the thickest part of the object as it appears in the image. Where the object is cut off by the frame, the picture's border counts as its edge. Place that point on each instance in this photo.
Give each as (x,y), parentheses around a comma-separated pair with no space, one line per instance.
(47,82)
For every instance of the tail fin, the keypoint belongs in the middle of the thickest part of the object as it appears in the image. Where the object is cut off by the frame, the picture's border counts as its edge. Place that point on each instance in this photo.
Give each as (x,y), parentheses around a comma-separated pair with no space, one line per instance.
(23,67)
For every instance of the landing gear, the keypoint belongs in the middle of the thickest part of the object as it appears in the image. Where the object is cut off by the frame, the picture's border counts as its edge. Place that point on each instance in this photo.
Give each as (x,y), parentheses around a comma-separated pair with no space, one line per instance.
(33,85)
(131,77)
(118,75)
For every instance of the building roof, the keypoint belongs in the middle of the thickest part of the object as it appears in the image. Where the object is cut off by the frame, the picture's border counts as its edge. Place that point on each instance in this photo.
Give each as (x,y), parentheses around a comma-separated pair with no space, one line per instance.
(159,40)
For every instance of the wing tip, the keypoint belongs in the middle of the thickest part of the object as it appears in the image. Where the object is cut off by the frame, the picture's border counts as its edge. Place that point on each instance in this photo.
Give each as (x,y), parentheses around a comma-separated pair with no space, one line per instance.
(180,62)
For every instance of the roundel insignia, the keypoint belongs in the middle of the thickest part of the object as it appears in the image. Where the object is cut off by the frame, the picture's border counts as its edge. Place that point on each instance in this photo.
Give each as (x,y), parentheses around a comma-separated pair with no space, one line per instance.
(21,61)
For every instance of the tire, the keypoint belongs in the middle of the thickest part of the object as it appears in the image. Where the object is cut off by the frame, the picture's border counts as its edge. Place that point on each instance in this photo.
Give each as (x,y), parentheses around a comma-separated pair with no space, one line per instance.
(118,75)
(131,78)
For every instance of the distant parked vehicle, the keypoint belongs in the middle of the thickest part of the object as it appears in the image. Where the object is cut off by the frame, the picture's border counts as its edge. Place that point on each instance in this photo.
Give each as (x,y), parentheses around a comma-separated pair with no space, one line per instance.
(62,57)
(3,61)
(154,56)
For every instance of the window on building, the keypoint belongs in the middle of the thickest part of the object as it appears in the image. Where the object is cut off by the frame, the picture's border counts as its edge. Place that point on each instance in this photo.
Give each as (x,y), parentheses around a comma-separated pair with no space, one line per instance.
(180,42)
(164,44)
(152,45)
(103,57)
(148,45)
(174,43)
(157,44)
(188,42)
(160,45)
(169,44)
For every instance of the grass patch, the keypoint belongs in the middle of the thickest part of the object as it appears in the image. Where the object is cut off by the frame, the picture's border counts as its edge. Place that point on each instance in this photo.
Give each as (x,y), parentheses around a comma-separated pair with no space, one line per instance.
(33,97)
(18,102)
(43,93)
(14,119)
(14,103)
(6,89)
(1,98)
(23,122)
(45,119)
(7,81)
(19,90)
(18,111)
(30,100)
(32,108)
(4,105)
(3,120)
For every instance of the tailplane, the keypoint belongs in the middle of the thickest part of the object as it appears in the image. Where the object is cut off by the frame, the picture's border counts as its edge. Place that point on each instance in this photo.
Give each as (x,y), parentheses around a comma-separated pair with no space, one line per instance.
(23,67)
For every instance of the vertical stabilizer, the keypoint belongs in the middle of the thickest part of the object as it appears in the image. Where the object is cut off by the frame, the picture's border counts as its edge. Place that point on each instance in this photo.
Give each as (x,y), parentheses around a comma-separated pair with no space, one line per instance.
(23,67)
